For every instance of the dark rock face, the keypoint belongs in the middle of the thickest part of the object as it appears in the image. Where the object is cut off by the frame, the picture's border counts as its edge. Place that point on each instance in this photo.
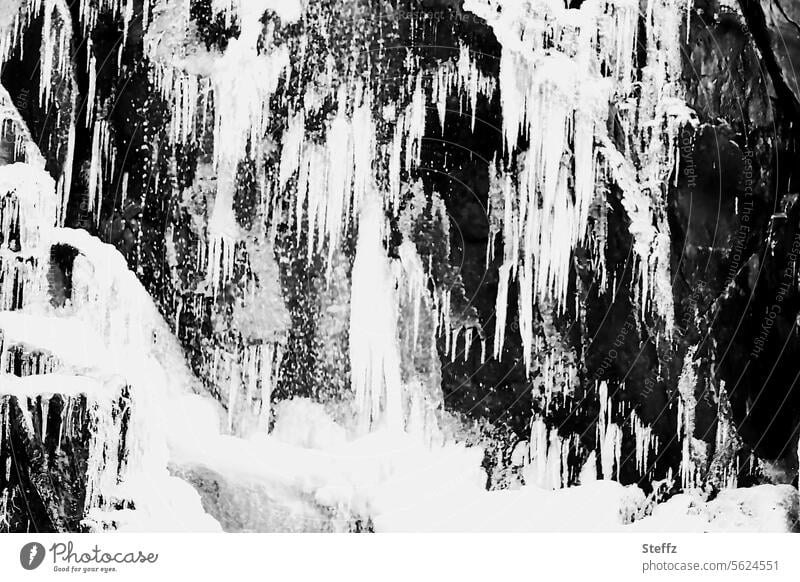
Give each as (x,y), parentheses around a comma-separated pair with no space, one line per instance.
(776,26)
(754,314)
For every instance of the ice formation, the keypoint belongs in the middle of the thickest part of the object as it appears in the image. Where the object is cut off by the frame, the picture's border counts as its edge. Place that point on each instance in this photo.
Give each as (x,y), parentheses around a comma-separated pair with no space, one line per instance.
(27,209)
(374,351)
(332,167)
(548,465)
(561,68)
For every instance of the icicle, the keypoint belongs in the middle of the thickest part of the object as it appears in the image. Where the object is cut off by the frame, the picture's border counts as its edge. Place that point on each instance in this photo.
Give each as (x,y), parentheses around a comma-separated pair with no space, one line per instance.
(92,93)
(65,180)
(609,437)
(127,17)
(463,78)
(45,404)
(548,466)
(374,351)
(101,165)
(686,416)
(643,439)
(11,122)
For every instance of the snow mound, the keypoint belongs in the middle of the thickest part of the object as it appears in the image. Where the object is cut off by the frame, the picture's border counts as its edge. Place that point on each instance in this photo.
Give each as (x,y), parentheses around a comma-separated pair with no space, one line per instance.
(765,508)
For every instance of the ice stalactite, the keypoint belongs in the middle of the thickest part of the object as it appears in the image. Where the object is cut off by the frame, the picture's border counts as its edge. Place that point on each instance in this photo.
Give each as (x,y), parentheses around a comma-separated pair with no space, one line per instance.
(554,96)
(374,351)
(404,150)
(645,441)
(609,437)
(330,178)
(687,383)
(501,212)
(56,48)
(395,319)
(462,78)
(101,166)
(548,463)
(566,75)
(723,470)
(659,114)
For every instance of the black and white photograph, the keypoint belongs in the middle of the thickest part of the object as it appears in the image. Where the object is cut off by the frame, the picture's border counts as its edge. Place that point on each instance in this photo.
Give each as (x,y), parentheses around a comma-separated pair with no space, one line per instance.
(429,267)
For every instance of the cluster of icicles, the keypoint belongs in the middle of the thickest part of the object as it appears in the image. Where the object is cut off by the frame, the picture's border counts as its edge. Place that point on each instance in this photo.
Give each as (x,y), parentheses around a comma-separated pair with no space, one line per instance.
(343,178)
(560,71)
(548,457)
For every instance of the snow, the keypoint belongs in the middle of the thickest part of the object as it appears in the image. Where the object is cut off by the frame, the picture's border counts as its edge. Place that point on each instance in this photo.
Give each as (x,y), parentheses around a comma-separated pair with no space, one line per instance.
(49,384)
(609,437)
(403,484)
(463,78)
(306,424)
(764,508)
(112,331)
(55,336)
(399,481)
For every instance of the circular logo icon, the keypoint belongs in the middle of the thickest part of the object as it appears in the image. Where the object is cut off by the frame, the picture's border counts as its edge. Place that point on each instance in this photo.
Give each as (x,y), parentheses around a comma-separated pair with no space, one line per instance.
(31,555)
